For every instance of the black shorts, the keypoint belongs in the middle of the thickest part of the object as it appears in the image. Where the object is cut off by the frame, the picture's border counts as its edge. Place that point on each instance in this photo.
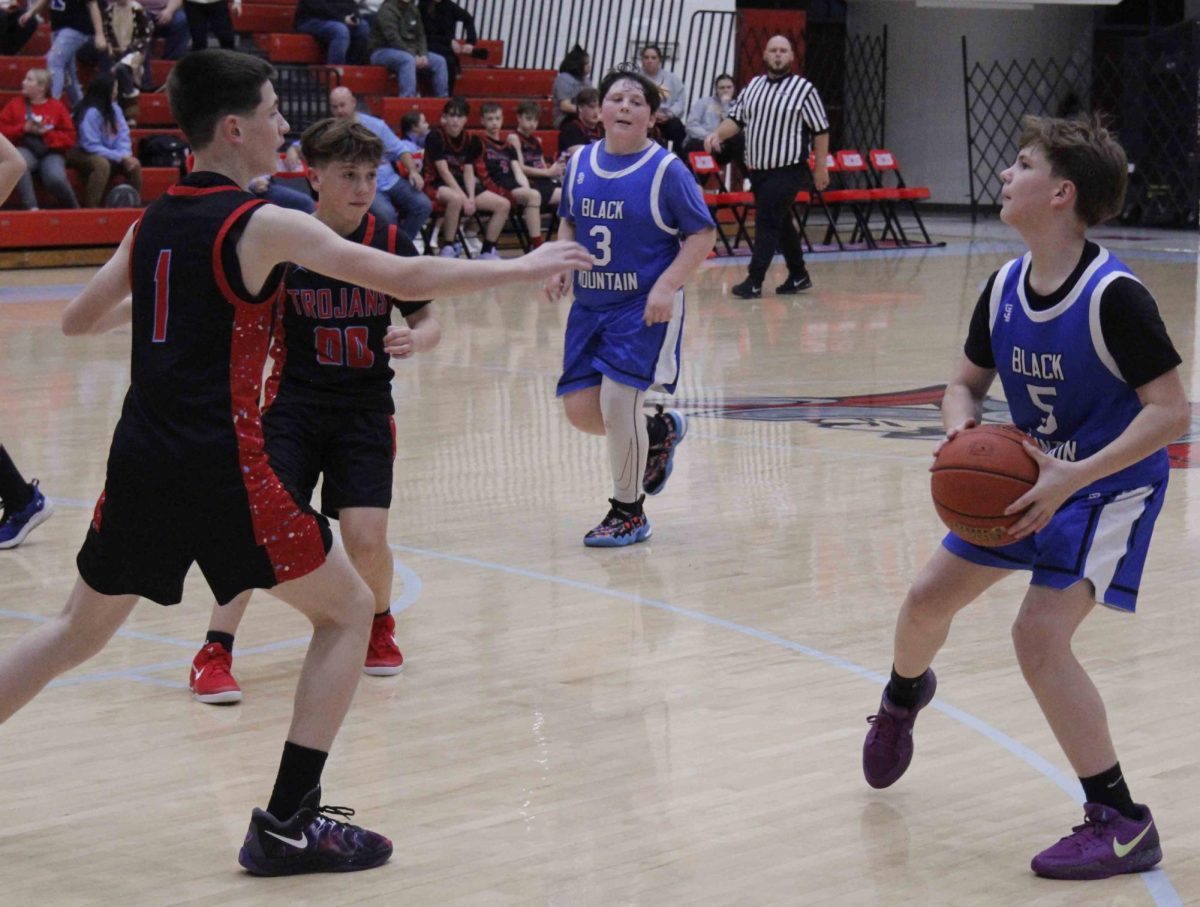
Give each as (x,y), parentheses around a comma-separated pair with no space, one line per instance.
(355,451)
(545,186)
(150,526)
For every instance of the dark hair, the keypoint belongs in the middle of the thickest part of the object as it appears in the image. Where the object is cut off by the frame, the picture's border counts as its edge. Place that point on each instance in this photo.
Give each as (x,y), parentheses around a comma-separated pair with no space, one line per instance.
(1082,150)
(457,106)
(206,85)
(410,120)
(489,107)
(586,97)
(722,77)
(655,48)
(572,63)
(99,95)
(625,73)
(342,141)
(529,108)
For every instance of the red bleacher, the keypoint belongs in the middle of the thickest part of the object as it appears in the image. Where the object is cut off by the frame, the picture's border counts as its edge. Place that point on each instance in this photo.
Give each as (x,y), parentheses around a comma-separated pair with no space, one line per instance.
(13,69)
(51,229)
(290,47)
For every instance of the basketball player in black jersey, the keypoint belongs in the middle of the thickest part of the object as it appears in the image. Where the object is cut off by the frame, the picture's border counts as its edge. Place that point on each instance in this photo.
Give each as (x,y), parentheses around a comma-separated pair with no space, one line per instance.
(330,404)
(188,479)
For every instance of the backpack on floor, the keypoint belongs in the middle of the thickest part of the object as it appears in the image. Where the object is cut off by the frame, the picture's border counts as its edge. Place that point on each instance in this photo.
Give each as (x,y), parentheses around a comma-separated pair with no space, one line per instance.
(163,151)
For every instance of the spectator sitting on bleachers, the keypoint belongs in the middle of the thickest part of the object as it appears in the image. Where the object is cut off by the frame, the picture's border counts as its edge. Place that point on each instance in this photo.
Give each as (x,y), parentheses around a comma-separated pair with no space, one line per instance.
(203,13)
(338,28)
(104,148)
(669,116)
(398,200)
(269,187)
(499,170)
(415,128)
(170,23)
(572,78)
(13,34)
(42,129)
(584,127)
(706,116)
(127,32)
(398,42)
(75,30)
(441,19)
(543,177)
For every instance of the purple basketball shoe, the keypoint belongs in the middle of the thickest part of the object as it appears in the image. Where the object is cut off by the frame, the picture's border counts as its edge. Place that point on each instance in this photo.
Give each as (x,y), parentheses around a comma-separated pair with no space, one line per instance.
(888,749)
(1106,844)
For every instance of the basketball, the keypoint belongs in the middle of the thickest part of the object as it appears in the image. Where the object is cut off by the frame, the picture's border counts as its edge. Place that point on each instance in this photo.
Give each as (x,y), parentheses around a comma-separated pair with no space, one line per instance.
(976,476)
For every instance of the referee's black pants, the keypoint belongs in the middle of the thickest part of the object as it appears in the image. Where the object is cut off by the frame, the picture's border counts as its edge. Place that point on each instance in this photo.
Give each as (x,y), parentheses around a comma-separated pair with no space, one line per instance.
(774,230)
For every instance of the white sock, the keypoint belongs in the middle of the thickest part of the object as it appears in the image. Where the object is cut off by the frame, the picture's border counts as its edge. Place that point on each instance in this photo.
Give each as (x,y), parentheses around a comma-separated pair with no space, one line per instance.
(625,426)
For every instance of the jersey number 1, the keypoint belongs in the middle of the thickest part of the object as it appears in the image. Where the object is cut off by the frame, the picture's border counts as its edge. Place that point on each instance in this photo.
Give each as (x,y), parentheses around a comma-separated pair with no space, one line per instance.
(162,296)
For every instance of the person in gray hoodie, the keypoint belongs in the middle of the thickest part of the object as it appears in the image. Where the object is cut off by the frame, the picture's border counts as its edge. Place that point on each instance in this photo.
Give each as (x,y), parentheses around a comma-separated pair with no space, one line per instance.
(398,42)
(669,117)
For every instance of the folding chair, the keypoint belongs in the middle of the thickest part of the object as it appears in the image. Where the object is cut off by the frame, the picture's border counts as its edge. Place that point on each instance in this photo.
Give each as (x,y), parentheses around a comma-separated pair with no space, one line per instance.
(884,162)
(739,204)
(855,175)
(838,195)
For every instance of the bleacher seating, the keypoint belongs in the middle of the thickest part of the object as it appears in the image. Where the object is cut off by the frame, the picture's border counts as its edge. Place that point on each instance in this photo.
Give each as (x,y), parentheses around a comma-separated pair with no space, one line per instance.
(290,47)
(52,229)
(392,109)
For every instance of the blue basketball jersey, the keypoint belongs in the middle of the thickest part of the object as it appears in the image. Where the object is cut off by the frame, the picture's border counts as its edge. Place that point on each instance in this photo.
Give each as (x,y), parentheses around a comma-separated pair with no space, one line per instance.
(1063,386)
(630,212)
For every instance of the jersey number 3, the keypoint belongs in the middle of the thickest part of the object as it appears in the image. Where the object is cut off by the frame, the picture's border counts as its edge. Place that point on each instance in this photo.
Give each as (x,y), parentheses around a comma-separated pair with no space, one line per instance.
(603,245)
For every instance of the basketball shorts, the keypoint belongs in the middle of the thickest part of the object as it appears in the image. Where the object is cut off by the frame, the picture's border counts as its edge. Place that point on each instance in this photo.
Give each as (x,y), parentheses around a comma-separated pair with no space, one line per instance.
(354,451)
(1102,537)
(617,342)
(150,526)
(545,187)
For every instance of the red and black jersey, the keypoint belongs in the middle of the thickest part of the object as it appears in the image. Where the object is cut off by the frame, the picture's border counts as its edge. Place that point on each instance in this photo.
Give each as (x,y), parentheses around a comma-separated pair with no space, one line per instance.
(575,132)
(328,345)
(199,337)
(533,154)
(459,153)
(494,166)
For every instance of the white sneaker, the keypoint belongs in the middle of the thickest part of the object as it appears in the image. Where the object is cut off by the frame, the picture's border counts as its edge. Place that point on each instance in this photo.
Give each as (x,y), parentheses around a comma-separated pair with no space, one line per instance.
(450,251)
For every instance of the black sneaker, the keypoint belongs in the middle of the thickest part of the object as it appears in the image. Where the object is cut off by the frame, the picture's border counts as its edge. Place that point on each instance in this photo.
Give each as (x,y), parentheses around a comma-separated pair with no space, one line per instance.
(795,283)
(747,289)
(620,527)
(310,842)
(661,460)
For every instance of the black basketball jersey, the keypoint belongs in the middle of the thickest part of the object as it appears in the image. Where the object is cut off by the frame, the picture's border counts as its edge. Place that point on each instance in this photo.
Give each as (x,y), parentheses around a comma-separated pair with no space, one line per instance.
(532,152)
(200,338)
(328,344)
(458,153)
(496,163)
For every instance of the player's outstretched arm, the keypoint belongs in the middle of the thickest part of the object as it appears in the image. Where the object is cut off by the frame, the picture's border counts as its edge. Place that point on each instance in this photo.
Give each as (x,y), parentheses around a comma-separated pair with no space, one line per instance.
(692,253)
(275,235)
(12,167)
(104,302)
(558,285)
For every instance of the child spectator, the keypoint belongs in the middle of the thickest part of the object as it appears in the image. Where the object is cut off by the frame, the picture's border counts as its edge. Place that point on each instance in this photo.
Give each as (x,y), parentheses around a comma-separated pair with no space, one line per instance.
(104,148)
(42,130)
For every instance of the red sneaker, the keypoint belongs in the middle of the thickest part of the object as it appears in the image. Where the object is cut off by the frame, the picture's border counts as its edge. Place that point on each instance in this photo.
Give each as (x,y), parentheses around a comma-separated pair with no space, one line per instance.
(211,679)
(383,655)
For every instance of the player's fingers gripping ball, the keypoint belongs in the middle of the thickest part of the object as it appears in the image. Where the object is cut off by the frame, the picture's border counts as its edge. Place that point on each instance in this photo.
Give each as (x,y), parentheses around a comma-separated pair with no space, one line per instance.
(976,476)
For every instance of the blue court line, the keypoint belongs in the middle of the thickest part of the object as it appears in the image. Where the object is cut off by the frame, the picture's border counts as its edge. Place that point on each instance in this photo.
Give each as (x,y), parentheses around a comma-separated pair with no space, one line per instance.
(1157,882)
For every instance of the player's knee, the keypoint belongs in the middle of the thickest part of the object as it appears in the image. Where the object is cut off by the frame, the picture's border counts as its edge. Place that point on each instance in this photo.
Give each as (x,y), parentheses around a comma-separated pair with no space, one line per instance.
(365,548)
(1037,641)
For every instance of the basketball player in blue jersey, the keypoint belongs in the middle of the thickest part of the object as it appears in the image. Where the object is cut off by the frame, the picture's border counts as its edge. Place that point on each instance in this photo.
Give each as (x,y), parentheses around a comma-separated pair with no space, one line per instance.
(1091,376)
(188,479)
(638,210)
(330,409)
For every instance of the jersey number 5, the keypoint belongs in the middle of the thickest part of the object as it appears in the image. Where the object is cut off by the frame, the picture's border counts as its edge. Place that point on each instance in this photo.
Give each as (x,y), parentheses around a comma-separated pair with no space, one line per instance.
(354,352)
(603,244)
(1043,399)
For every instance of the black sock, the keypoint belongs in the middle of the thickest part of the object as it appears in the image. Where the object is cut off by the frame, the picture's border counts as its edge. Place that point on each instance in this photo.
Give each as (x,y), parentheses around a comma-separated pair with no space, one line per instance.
(487,246)
(656,428)
(15,492)
(299,772)
(224,639)
(633,508)
(383,614)
(904,691)
(1110,789)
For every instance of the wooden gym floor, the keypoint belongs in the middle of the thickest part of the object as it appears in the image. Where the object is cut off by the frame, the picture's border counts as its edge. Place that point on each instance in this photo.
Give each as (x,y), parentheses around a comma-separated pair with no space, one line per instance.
(678,723)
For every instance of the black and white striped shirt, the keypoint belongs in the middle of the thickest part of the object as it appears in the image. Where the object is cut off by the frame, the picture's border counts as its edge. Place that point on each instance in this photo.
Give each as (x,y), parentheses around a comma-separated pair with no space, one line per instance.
(779,118)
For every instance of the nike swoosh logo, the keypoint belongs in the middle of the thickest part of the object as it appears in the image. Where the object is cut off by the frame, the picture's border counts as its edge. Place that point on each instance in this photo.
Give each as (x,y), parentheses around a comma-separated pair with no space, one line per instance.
(196,675)
(1122,850)
(302,842)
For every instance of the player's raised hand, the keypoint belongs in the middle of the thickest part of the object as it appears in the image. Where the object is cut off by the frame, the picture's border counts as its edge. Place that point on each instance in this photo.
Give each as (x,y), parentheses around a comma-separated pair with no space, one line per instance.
(554,258)
(398,341)
(659,306)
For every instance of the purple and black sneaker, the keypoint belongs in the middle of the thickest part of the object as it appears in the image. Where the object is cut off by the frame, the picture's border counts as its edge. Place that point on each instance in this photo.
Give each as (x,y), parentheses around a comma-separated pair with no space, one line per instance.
(310,842)
(1106,844)
(888,749)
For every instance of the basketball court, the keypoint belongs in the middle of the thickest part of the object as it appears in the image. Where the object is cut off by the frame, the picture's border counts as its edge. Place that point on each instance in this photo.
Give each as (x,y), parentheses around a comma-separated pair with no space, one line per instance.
(675,723)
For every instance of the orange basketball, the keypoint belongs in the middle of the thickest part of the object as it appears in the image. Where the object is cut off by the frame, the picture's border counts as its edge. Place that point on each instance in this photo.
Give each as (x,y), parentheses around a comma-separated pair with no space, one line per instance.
(976,476)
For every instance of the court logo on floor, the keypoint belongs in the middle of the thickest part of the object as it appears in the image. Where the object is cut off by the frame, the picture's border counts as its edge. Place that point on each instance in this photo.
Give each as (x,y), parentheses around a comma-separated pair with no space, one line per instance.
(910,414)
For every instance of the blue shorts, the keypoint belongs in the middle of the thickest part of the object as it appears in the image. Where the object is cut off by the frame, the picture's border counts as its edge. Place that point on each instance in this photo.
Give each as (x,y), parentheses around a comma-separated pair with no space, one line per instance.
(616,342)
(1101,537)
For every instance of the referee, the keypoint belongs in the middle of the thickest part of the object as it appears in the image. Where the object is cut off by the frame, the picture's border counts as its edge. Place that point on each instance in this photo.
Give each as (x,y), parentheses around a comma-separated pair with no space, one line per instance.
(779,113)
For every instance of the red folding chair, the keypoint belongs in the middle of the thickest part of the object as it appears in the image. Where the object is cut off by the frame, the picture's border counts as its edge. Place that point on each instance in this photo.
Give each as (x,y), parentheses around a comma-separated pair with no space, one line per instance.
(841,194)
(739,204)
(884,162)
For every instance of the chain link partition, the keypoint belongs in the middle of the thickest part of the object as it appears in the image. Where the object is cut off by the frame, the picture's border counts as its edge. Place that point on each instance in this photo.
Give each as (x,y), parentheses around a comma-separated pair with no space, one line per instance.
(1148,93)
